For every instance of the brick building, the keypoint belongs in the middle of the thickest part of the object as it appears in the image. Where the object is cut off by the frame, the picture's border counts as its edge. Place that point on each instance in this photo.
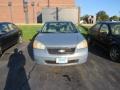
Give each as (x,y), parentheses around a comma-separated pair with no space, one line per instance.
(28,11)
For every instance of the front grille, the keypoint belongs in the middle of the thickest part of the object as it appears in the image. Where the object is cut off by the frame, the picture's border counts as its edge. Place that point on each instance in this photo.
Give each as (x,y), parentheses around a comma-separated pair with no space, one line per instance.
(61,51)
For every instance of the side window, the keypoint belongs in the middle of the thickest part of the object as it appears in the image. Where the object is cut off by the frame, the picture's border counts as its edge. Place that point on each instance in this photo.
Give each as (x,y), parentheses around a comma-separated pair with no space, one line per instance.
(115,29)
(15,27)
(96,27)
(4,28)
(104,29)
(12,27)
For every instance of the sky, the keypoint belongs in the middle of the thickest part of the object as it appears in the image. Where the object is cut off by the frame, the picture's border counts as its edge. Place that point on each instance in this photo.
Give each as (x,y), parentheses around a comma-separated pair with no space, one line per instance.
(91,7)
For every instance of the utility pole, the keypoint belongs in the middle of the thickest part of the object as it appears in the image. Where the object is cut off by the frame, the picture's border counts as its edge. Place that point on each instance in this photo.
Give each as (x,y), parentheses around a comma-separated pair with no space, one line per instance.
(57,14)
(33,6)
(25,6)
(119,15)
(10,9)
(78,15)
(48,3)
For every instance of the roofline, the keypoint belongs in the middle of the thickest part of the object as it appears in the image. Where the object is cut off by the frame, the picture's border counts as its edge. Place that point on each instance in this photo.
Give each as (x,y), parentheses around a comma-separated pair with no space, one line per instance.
(109,22)
(57,21)
(5,22)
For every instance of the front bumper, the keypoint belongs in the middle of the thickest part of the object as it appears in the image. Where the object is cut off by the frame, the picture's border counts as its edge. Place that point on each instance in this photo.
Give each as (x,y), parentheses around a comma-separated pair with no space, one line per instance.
(43,57)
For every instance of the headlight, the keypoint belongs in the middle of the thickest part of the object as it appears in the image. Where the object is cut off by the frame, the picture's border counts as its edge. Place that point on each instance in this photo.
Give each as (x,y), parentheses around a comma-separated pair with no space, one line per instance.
(82,44)
(38,45)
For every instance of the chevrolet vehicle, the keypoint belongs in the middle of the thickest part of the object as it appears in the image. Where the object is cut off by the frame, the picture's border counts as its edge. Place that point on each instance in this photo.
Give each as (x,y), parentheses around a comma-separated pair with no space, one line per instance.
(9,35)
(107,35)
(59,44)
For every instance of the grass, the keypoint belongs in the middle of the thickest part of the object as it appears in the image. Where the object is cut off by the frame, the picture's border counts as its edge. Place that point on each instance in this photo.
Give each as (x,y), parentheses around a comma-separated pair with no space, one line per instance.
(30,30)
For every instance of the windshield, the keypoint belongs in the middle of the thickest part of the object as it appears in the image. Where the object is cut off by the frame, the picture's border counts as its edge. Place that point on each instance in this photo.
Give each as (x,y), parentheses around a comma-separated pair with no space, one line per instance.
(59,27)
(115,29)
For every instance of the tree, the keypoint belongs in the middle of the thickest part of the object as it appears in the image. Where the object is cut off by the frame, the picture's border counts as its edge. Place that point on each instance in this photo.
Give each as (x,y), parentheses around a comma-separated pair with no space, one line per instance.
(102,16)
(115,18)
(85,18)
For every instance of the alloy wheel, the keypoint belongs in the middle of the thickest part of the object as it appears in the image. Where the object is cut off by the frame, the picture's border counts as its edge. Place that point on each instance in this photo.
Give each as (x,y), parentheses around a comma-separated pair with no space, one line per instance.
(0,51)
(115,53)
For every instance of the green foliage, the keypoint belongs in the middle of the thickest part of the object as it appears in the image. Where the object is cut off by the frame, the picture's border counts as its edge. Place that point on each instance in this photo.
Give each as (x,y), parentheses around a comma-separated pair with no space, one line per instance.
(83,30)
(102,16)
(29,31)
(85,18)
(115,18)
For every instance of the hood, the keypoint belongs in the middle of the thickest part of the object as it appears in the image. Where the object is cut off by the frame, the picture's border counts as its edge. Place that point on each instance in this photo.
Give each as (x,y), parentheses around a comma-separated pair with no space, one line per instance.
(60,39)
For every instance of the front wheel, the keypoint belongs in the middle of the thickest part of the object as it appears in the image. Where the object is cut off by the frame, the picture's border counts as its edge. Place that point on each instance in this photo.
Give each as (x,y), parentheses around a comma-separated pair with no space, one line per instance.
(0,51)
(115,53)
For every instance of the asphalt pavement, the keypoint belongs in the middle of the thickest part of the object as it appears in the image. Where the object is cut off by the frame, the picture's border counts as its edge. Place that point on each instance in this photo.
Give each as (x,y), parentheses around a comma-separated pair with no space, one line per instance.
(18,71)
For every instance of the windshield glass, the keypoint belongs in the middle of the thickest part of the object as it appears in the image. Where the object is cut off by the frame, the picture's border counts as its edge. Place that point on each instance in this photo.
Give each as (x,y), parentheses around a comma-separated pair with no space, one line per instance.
(115,29)
(59,27)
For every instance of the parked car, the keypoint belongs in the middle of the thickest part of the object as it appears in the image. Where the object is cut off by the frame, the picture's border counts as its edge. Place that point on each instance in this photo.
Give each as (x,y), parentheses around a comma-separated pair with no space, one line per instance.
(9,35)
(107,35)
(60,44)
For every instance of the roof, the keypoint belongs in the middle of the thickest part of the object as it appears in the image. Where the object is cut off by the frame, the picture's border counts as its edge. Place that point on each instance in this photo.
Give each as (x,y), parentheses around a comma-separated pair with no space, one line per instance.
(109,22)
(5,22)
(58,21)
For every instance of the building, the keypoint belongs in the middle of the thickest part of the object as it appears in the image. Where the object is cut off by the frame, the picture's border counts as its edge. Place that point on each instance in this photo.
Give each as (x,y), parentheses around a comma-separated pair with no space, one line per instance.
(91,19)
(28,11)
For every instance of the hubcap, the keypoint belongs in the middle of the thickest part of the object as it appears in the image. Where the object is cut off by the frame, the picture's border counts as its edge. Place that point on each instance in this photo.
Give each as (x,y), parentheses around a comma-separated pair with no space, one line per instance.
(0,51)
(114,53)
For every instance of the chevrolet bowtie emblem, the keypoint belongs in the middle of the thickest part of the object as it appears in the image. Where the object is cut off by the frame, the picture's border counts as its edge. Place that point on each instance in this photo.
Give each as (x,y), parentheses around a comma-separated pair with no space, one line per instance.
(61,51)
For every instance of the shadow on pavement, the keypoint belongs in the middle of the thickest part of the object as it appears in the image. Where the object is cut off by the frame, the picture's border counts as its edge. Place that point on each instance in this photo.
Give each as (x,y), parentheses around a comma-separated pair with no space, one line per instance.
(17,78)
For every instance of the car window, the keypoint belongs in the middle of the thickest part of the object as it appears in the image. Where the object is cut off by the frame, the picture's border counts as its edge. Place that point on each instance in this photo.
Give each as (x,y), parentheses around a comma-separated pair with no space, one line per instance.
(95,30)
(12,27)
(115,29)
(96,27)
(4,28)
(59,27)
(104,29)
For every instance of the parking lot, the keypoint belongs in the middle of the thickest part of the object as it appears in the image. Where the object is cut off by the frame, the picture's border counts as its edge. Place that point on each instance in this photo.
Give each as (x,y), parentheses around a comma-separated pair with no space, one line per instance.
(19,72)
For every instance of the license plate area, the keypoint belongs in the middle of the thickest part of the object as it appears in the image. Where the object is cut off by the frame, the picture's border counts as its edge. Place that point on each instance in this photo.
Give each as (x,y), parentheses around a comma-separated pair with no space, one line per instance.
(61,60)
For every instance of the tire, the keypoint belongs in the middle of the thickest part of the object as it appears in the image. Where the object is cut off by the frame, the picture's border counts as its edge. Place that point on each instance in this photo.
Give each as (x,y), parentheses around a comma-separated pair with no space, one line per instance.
(0,51)
(20,40)
(115,53)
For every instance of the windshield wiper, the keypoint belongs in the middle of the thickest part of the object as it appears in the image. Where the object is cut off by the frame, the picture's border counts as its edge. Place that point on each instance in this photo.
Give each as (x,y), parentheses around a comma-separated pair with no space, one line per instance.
(48,32)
